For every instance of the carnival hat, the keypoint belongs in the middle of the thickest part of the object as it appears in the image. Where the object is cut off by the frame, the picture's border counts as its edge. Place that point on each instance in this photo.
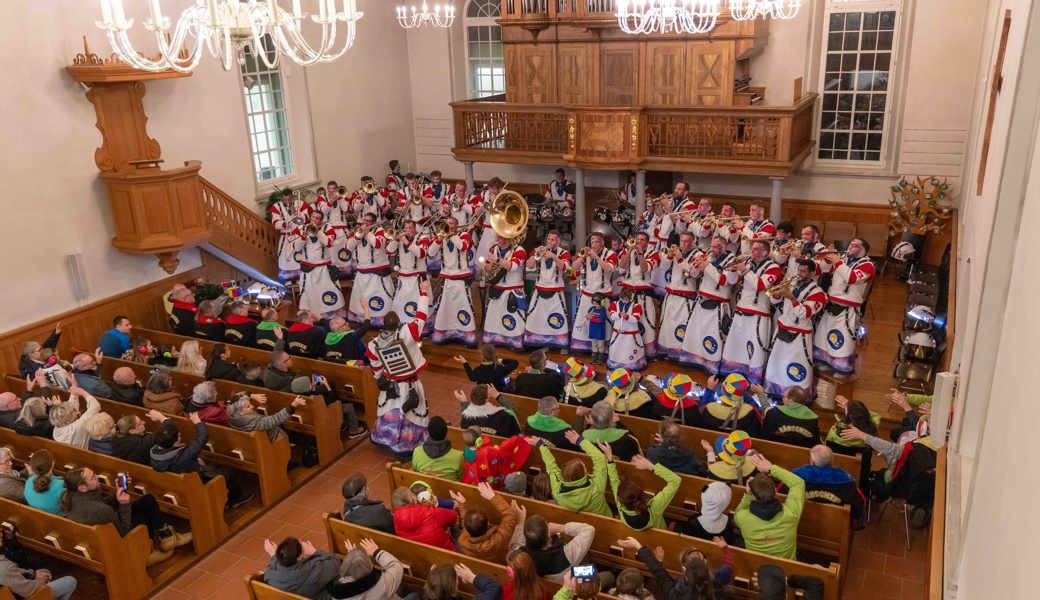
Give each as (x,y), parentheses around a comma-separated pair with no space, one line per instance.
(677,386)
(573,368)
(731,448)
(731,391)
(620,378)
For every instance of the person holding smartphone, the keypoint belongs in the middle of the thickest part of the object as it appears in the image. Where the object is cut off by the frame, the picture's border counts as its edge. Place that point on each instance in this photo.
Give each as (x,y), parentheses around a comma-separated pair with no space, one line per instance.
(580,582)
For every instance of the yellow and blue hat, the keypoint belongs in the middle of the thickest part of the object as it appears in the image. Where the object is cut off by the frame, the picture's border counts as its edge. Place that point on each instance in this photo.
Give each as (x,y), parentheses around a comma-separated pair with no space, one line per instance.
(620,378)
(731,448)
(731,391)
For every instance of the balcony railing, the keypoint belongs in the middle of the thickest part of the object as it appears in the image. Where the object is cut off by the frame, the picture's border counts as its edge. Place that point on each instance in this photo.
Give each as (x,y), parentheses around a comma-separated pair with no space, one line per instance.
(771,140)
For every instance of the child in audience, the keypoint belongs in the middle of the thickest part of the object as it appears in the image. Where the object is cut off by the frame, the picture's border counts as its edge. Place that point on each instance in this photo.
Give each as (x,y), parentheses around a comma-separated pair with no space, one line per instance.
(442,583)
(630,585)
(416,520)
(483,461)
(713,522)
(524,582)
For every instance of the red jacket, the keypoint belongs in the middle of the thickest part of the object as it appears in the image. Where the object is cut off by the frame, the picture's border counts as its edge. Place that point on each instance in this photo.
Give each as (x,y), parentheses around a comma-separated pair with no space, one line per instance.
(215,413)
(426,524)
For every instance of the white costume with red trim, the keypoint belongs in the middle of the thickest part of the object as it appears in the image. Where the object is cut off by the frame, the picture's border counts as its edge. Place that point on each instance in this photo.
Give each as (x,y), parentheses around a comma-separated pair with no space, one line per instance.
(286,217)
(594,279)
(420,212)
(702,232)
(730,234)
(747,342)
(834,341)
(455,319)
(626,343)
(368,204)
(372,282)
(679,301)
(411,264)
(547,320)
(396,428)
(752,231)
(703,339)
(659,236)
(637,279)
(487,235)
(556,193)
(318,292)
(504,317)
(437,192)
(789,263)
(790,359)
(336,212)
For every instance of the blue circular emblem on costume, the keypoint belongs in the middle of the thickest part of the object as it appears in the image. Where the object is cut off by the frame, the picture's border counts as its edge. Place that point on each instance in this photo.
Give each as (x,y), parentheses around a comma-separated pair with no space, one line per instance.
(548,263)
(410,308)
(343,254)
(835,339)
(680,332)
(509,322)
(298,256)
(376,303)
(330,298)
(556,321)
(710,344)
(796,372)
(463,317)
(750,349)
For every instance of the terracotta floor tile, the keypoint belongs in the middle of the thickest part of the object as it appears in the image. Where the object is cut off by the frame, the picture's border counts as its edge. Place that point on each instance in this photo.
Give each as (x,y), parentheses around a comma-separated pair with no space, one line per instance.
(219,562)
(169,593)
(913,590)
(906,568)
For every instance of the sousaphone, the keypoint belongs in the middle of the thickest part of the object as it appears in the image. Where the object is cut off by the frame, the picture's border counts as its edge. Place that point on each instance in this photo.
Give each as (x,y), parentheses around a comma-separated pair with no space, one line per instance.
(508,215)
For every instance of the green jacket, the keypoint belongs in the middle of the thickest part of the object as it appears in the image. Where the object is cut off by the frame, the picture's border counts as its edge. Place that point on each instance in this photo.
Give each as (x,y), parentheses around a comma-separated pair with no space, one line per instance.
(448,466)
(779,535)
(834,435)
(585,494)
(657,504)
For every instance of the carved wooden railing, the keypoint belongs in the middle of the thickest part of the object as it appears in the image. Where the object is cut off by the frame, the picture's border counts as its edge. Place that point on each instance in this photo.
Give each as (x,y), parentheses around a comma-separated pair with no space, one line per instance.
(555,8)
(771,140)
(239,231)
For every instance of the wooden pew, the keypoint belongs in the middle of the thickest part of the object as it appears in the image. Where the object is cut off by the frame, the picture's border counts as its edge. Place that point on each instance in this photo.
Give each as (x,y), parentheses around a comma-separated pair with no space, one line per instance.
(787,456)
(258,590)
(315,420)
(181,495)
(98,548)
(43,593)
(609,530)
(248,451)
(824,529)
(355,384)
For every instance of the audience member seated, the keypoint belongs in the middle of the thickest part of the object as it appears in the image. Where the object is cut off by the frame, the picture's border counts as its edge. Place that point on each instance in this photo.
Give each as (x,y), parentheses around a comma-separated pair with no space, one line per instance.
(182,314)
(524,582)
(191,359)
(304,337)
(85,368)
(12,482)
(627,397)
(219,365)
(84,502)
(772,584)
(766,524)
(132,441)
(547,424)
(208,324)
(43,489)
(579,589)
(252,373)
(582,388)
(727,460)
(552,556)
(827,483)
(669,451)
(10,409)
(126,388)
(70,425)
(298,568)
(344,343)
(537,381)
(170,454)
(442,583)
(319,385)
(724,407)
(242,414)
(359,509)
(482,460)
(791,422)
(358,578)
(206,405)
(914,406)
(635,509)
(675,398)
(485,540)
(853,413)
(25,583)
(541,488)
(630,585)
(515,483)
(573,487)
(268,330)
(159,394)
(696,582)
(31,358)
(425,518)
(492,370)
(713,522)
(602,423)
(492,419)
(116,341)
(278,376)
(144,352)
(238,327)
(100,430)
(435,456)
(34,417)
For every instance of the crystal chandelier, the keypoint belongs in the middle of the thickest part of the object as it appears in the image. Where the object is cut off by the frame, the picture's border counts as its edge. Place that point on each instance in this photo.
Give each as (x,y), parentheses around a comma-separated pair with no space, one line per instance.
(744,10)
(227,27)
(412,17)
(667,16)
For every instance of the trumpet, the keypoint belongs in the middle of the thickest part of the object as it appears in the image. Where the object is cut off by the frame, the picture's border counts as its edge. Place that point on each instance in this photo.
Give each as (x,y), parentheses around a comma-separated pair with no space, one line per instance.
(778,288)
(369,187)
(630,243)
(795,245)
(733,260)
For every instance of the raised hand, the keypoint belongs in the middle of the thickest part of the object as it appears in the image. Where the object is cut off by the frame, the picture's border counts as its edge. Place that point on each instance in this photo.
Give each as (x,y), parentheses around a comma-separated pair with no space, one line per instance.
(457,497)
(629,543)
(707,447)
(459,359)
(853,433)
(459,395)
(608,453)
(258,398)
(760,461)
(299,401)
(369,546)
(712,383)
(194,417)
(572,436)
(155,415)
(308,549)
(464,573)
(519,511)
(641,462)
(719,541)
(486,491)
(842,402)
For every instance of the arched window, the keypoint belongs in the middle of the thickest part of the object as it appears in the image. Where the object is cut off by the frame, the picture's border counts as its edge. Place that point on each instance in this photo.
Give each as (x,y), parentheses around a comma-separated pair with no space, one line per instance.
(484,61)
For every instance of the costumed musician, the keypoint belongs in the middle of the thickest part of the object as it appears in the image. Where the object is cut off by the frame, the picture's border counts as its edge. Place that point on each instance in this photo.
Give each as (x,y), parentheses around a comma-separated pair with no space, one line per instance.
(373,284)
(436,190)
(484,199)
(728,227)
(454,320)
(705,333)
(395,175)
(413,203)
(368,200)
(504,316)
(627,345)
(556,193)
(790,361)
(757,227)
(319,292)
(595,266)
(638,260)
(412,250)
(837,333)
(747,342)
(629,191)
(340,218)
(287,217)
(681,294)
(547,319)
(702,226)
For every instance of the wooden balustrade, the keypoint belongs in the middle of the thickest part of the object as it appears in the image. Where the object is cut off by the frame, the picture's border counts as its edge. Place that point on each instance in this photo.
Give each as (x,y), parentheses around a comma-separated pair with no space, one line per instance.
(238,230)
(746,140)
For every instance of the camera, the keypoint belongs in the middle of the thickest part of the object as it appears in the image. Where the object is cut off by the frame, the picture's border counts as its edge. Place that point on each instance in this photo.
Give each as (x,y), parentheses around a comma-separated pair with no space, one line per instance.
(122,481)
(582,573)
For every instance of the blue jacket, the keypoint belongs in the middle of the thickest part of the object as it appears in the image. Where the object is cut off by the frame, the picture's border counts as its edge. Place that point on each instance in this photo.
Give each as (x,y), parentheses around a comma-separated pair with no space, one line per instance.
(114,343)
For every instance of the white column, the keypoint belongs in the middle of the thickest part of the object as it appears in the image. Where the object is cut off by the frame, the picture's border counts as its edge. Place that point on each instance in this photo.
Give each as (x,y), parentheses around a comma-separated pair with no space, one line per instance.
(640,192)
(581,228)
(776,200)
(468,165)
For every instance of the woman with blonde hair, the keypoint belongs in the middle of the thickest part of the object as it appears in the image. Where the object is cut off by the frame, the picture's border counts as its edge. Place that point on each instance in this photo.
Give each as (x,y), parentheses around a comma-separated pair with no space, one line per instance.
(191,359)
(100,429)
(34,418)
(70,424)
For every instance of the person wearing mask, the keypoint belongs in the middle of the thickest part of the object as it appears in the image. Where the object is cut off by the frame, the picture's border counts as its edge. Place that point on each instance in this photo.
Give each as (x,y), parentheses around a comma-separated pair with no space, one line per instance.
(359,509)
(298,568)
(767,524)
(551,555)
(492,370)
(435,456)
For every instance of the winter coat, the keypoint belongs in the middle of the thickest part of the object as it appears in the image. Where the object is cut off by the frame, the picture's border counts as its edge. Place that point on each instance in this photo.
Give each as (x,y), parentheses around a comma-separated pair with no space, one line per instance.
(41,427)
(494,543)
(308,577)
(792,424)
(133,447)
(539,384)
(96,508)
(623,445)
(101,446)
(368,513)
(772,527)
(551,429)
(426,524)
(92,384)
(676,457)
(12,486)
(654,515)
(180,459)
(585,494)
(20,581)
(127,394)
(279,381)
(272,424)
(166,402)
(382,584)
(214,412)
(222,369)
(438,458)
(491,419)
(492,373)
(27,367)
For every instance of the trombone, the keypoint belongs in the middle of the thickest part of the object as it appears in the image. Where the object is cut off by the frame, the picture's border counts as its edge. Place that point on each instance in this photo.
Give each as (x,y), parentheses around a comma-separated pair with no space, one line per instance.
(778,288)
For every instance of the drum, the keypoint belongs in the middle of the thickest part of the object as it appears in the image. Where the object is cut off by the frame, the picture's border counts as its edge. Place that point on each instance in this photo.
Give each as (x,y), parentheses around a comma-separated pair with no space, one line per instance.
(567,213)
(545,213)
(601,214)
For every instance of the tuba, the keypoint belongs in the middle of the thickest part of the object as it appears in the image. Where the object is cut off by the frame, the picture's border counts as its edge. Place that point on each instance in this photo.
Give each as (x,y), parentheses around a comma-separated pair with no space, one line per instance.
(508,215)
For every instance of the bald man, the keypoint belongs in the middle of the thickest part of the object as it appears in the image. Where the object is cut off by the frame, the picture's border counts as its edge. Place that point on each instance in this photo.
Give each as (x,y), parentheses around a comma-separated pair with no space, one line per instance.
(342,343)
(10,406)
(126,388)
(827,483)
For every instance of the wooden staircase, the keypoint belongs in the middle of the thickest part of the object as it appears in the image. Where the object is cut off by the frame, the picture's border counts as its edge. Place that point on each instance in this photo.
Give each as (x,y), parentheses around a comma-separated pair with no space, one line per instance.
(238,231)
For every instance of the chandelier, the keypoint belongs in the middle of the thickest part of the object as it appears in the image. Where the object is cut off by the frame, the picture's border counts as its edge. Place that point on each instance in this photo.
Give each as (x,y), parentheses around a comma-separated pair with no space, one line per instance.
(744,10)
(412,18)
(667,16)
(227,27)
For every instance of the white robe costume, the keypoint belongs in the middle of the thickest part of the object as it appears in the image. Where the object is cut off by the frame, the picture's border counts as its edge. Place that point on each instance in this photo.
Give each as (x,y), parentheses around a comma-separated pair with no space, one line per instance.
(679,301)
(318,292)
(637,279)
(702,344)
(790,361)
(455,317)
(336,212)
(411,269)
(751,333)
(372,282)
(502,326)
(594,279)
(286,218)
(626,343)
(547,319)
(836,335)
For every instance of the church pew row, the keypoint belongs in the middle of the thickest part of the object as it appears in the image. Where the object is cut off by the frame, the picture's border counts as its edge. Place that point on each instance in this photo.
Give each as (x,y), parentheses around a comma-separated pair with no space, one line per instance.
(787,456)
(180,495)
(604,548)
(824,529)
(419,558)
(355,384)
(314,420)
(43,593)
(251,452)
(97,548)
